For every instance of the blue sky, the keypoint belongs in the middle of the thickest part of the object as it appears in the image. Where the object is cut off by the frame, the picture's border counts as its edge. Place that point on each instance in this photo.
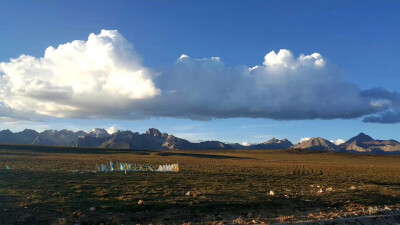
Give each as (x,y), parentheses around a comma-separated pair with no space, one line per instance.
(361,38)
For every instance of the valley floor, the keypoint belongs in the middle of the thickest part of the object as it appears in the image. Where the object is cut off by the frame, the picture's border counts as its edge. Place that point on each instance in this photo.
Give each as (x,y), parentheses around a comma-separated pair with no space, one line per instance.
(214,187)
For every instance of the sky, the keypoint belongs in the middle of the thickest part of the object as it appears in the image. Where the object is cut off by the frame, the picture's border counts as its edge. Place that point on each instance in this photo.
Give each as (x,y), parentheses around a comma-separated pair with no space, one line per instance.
(234,71)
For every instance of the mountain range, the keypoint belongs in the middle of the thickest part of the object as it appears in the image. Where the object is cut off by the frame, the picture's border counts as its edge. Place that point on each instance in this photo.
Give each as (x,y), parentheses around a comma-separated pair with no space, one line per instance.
(365,144)
(361,143)
(153,139)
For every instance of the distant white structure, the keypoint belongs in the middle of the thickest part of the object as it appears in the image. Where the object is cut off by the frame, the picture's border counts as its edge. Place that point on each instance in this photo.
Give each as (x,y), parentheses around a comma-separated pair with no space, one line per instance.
(7,167)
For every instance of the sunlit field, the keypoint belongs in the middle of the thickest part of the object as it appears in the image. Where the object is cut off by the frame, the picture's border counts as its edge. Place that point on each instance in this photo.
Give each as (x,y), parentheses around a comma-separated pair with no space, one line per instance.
(43,186)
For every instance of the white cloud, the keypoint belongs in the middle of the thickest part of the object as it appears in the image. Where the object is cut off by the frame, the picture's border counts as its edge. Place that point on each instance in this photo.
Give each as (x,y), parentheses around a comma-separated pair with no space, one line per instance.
(338,141)
(304,139)
(112,130)
(283,88)
(285,58)
(99,76)
(103,77)
(245,143)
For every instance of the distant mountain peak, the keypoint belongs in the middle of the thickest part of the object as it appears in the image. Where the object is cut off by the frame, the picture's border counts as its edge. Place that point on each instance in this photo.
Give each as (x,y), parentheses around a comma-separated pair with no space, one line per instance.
(276,141)
(318,144)
(362,134)
(360,138)
(99,132)
(364,143)
(7,131)
(156,133)
(272,144)
(153,132)
(28,131)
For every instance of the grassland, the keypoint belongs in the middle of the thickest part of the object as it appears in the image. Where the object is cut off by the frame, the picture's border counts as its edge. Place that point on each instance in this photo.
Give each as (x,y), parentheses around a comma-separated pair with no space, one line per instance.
(224,186)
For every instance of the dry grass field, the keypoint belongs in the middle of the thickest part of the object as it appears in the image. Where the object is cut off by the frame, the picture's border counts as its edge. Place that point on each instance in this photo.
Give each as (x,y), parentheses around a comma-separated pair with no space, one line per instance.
(214,187)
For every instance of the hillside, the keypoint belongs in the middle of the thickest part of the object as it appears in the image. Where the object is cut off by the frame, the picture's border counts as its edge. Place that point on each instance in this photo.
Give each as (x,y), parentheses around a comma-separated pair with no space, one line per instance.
(317,144)
(363,143)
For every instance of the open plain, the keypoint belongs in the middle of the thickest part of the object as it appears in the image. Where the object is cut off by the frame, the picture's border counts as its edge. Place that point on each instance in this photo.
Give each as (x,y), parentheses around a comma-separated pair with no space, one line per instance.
(58,185)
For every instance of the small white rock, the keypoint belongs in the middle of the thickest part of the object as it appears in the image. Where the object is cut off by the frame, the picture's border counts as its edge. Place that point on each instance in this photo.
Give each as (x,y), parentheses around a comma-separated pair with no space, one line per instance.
(272,193)
(287,196)
(92,209)
(188,193)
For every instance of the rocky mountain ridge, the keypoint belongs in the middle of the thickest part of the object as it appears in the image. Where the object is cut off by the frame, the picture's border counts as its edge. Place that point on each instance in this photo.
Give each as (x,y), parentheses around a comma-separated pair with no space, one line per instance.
(153,139)
(317,144)
(363,143)
(272,144)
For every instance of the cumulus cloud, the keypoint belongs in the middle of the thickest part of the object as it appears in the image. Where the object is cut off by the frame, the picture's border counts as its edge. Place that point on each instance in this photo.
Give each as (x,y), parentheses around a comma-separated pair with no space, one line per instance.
(338,141)
(245,143)
(384,97)
(284,87)
(112,129)
(103,77)
(304,139)
(97,77)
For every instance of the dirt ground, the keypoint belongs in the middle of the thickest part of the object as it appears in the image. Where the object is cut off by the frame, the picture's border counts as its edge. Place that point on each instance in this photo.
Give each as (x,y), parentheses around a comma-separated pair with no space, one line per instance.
(47,185)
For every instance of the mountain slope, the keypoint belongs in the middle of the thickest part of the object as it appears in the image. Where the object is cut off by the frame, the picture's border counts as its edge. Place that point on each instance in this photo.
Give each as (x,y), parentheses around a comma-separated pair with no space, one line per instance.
(89,141)
(363,143)
(57,138)
(173,142)
(24,137)
(361,137)
(317,144)
(272,144)
(210,145)
(152,139)
(99,133)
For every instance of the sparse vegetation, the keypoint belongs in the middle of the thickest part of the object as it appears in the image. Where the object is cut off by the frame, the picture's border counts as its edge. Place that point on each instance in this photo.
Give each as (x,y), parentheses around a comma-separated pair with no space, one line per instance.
(223,186)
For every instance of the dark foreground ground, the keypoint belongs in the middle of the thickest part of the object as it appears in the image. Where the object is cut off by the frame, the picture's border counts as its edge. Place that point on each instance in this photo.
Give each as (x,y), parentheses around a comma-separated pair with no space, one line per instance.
(212,187)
